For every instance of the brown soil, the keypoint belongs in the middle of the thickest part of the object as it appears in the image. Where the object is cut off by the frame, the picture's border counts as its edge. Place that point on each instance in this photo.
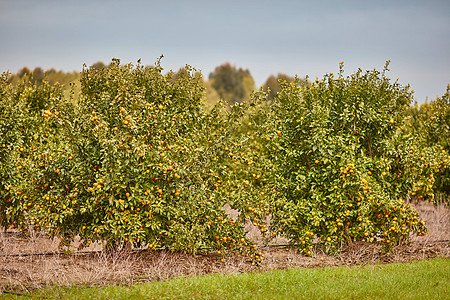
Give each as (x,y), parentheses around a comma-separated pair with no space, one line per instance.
(33,262)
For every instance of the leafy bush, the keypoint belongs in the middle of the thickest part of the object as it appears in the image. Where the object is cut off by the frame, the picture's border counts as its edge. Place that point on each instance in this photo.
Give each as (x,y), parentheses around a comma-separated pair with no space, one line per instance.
(22,130)
(343,165)
(431,124)
(138,160)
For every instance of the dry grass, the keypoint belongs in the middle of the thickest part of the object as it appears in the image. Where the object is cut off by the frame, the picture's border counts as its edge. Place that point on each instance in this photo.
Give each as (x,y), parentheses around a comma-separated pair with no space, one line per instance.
(437,220)
(34,261)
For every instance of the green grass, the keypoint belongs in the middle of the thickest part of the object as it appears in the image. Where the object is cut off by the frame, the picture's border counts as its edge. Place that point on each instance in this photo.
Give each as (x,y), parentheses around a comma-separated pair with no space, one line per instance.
(428,279)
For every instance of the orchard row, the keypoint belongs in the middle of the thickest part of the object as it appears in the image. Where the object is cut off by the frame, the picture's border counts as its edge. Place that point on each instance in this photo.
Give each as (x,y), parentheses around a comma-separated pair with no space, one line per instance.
(138,158)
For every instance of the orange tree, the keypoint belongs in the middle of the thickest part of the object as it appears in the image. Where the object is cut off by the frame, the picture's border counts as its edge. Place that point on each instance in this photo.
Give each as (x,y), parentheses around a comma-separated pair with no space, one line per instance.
(431,124)
(342,164)
(439,134)
(138,160)
(22,130)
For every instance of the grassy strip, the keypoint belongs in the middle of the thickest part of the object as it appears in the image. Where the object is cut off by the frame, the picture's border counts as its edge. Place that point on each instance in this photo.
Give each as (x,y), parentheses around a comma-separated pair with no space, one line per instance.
(428,279)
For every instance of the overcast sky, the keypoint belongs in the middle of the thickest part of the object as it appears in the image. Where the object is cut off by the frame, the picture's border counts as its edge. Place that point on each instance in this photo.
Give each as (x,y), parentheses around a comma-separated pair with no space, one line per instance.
(266,37)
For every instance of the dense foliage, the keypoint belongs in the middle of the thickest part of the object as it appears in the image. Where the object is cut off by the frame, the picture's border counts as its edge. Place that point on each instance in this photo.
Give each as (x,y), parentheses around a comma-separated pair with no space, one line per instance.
(431,125)
(135,158)
(343,166)
(22,136)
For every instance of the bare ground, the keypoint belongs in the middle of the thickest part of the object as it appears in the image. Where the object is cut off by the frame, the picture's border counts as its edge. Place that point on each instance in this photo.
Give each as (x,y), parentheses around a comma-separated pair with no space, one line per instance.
(33,262)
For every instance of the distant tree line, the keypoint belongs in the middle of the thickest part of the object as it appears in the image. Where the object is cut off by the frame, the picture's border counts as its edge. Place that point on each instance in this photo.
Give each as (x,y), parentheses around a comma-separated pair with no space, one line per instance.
(227,82)
(52,76)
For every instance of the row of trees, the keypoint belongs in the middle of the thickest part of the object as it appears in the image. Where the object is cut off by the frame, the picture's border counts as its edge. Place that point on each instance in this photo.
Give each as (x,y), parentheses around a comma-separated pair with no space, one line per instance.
(51,76)
(137,157)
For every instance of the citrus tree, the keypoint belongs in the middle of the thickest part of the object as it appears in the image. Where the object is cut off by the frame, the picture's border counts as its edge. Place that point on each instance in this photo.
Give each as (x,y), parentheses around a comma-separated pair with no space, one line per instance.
(138,160)
(22,132)
(439,134)
(343,167)
(431,124)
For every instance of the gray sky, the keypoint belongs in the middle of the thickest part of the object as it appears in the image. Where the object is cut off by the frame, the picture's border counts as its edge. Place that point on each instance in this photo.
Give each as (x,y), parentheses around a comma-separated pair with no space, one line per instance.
(266,37)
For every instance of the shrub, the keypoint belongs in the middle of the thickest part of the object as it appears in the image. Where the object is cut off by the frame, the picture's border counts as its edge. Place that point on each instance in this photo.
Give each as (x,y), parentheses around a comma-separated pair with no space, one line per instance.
(22,130)
(431,125)
(343,165)
(138,160)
